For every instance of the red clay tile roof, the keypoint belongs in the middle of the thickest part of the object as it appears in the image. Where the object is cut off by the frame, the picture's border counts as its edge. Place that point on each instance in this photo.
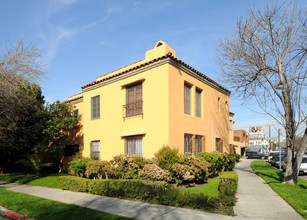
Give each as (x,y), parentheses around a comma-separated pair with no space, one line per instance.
(231,113)
(120,68)
(74,99)
(152,61)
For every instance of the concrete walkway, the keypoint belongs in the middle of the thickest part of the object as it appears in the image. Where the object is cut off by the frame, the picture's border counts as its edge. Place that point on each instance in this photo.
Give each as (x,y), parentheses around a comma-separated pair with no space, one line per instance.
(132,209)
(256,200)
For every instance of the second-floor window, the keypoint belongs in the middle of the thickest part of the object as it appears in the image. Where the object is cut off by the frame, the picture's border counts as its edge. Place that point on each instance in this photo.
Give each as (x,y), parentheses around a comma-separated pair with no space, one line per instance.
(187,99)
(75,114)
(134,100)
(230,124)
(95,107)
(198,103)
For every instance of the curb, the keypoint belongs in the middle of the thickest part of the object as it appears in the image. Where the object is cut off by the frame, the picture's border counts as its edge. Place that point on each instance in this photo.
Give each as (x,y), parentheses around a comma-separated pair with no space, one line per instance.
(12,214)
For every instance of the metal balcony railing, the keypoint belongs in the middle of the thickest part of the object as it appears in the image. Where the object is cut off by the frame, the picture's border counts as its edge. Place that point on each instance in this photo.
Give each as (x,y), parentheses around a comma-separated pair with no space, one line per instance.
(133,108)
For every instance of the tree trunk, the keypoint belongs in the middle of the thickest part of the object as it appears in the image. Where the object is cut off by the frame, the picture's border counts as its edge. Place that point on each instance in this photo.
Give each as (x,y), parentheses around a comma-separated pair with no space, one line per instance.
(295,160)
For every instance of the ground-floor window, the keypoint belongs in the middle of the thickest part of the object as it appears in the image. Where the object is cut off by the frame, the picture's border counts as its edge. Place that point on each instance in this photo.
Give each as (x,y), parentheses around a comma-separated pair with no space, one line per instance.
(231,149)
(95,150)
(134,145)
(188,143)
(219,145)
(198,144)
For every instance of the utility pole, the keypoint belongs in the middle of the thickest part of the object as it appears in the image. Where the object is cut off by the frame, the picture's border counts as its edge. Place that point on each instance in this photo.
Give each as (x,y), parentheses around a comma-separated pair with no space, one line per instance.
(279,134)
(269,138)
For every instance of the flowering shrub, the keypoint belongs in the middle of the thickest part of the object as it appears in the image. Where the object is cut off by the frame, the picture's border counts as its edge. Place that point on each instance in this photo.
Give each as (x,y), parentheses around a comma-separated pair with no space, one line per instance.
(99,170)
(190,170)
(128,166)
(154,172)
(183,173)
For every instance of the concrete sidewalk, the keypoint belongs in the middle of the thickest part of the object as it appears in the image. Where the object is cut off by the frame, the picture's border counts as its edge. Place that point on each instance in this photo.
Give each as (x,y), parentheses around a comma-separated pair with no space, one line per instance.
(256,200)
(132,209)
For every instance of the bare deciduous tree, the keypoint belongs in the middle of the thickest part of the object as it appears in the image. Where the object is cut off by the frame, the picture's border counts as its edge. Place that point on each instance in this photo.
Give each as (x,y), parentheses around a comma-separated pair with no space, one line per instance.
(19,67)
(265,61)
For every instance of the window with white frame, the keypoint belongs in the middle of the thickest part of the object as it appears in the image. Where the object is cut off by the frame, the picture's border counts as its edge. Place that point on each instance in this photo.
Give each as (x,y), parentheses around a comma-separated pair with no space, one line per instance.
(95,150)
(134,145)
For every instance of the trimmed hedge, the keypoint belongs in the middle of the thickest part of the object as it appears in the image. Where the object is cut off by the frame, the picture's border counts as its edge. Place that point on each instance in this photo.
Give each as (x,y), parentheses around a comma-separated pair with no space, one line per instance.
(228,187)
(118,188)
(73,183)
(156,192)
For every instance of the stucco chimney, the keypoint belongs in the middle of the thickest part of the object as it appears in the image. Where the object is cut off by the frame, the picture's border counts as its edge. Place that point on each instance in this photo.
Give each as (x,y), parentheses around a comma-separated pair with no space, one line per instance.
(160,49)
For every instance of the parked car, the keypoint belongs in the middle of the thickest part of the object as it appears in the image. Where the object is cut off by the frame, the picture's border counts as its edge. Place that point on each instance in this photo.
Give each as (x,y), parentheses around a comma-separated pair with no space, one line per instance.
(303,167)
(276,160)
(255,155)
(271,154)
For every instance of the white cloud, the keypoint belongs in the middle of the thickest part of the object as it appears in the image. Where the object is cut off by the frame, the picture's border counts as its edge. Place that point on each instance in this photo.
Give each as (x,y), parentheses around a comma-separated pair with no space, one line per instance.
(56,34)
(55,6)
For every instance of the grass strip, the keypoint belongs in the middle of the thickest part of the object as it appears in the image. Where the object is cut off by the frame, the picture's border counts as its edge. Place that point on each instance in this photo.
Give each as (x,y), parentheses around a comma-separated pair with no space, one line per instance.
(295,195)
(30,179)
(210,188)
(39,208)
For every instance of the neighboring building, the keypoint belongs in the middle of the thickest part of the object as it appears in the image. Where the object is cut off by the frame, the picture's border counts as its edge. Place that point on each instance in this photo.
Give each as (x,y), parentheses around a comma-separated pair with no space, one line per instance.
(238,139)
(231,133)
(154,102)
(241,140)
(259,144)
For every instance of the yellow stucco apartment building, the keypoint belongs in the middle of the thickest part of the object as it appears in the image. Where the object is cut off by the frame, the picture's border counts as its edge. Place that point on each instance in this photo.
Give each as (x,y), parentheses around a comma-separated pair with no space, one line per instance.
(157,101)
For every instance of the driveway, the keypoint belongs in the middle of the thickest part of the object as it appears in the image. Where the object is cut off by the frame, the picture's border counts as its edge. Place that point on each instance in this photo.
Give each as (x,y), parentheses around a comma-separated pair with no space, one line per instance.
(256,200)
(303,176)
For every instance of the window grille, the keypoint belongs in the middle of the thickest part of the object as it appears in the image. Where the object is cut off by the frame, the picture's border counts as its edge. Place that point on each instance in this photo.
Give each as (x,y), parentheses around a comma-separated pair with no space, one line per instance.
(134,145)
(188,143)
(95,149)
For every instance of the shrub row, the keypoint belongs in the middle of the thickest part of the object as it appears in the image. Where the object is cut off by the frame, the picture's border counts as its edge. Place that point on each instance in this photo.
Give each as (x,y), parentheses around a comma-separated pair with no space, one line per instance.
(168,166)
(154,192)
(228,187)
(73,183)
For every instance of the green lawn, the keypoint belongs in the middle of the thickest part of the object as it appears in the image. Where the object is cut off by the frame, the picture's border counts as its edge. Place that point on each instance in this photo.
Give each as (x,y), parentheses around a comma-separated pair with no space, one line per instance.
(295,195)
(39,208)
(210,188)
(48,181)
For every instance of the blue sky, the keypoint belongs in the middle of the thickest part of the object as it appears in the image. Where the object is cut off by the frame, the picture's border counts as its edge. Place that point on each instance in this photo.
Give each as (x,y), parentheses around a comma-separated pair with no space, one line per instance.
(85,39)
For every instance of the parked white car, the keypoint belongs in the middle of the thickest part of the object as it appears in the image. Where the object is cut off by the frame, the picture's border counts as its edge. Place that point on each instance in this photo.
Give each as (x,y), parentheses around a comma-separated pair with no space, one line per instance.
(303,167)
